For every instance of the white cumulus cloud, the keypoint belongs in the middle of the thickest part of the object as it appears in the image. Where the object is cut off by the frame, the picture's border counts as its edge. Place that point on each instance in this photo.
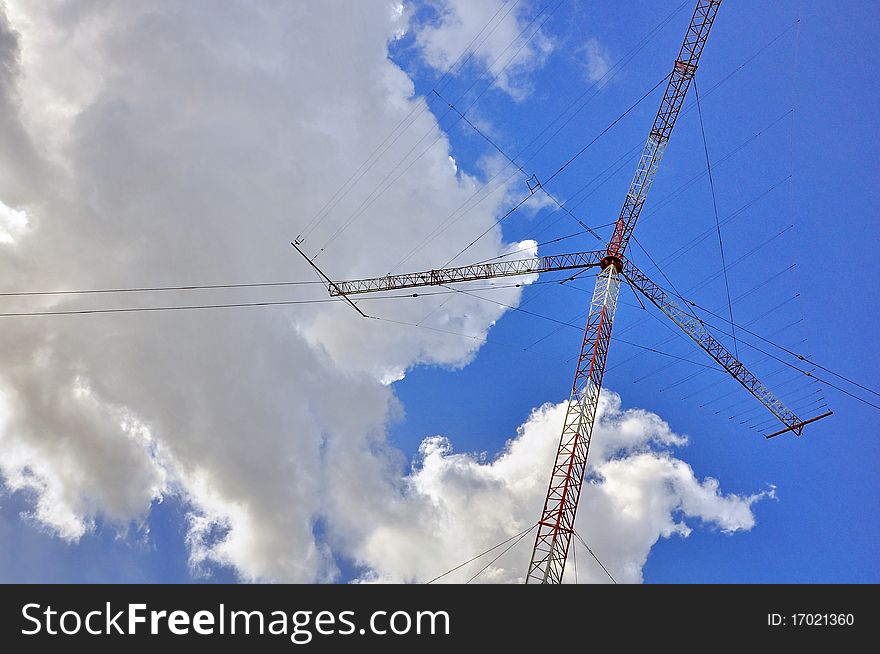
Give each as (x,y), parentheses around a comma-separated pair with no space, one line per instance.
(456,505)
(159,143)
(506,38)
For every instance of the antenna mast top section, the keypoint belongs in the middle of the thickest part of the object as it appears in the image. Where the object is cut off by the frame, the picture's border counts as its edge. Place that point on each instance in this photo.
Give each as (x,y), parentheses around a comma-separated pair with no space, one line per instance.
(676,88)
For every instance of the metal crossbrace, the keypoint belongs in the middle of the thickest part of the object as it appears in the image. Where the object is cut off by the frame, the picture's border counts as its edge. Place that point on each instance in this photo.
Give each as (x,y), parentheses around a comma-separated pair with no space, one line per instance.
(695,328)
(474,272)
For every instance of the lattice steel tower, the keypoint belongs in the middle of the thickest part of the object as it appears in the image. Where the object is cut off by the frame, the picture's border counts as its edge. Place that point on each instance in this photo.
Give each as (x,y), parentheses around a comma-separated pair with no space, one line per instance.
(556,526)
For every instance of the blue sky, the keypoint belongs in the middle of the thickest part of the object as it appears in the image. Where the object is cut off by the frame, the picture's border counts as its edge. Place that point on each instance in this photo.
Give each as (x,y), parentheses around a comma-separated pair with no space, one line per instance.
(812,168)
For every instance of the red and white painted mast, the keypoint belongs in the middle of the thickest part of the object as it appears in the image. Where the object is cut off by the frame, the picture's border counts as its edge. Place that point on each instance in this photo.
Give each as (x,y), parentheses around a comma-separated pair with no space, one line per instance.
(556,526)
